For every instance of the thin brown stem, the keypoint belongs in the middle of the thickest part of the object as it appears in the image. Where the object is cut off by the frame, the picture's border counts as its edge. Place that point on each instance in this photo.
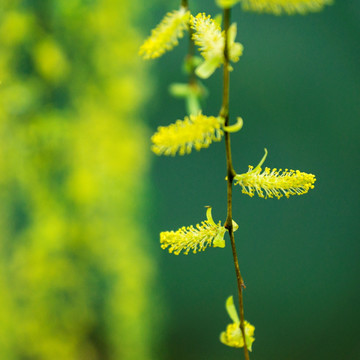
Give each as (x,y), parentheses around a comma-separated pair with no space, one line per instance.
(241,287)
(224,112)
(189,58)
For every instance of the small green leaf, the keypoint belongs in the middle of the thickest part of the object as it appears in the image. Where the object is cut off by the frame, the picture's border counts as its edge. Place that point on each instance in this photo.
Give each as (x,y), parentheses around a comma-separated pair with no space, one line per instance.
(190,63)
(179,90)
(208,67)
(231,310)
(235,225)
(218,19)
(193,104)
(219,239)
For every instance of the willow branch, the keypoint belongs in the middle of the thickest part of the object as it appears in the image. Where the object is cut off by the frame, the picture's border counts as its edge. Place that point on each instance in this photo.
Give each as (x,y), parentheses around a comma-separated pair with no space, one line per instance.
(190,55)
(224,112)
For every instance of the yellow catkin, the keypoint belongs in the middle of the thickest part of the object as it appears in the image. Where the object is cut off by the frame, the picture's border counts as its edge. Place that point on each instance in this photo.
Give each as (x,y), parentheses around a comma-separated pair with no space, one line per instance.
(196,131)
(275,182)
(290,7)
(211,40)
(207,35)
(192,238)
(232,335)
(166,35)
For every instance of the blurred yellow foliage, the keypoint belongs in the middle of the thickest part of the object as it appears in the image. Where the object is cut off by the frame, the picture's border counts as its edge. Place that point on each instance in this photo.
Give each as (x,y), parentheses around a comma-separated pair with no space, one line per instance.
(15,27)
(76,276)
(50,60)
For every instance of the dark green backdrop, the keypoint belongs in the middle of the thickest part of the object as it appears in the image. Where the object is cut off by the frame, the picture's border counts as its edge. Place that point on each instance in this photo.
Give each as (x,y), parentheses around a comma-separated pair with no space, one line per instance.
(297,87)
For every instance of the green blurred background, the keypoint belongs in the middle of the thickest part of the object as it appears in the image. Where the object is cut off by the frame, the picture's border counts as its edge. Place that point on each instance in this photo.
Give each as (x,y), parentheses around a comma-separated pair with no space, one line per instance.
(297,87)
(83,200)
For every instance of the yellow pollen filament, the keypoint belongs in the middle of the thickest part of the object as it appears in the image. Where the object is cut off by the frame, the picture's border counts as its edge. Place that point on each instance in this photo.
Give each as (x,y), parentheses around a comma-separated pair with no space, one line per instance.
(192,238)
(165,36)
(196,131)
(290,7)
